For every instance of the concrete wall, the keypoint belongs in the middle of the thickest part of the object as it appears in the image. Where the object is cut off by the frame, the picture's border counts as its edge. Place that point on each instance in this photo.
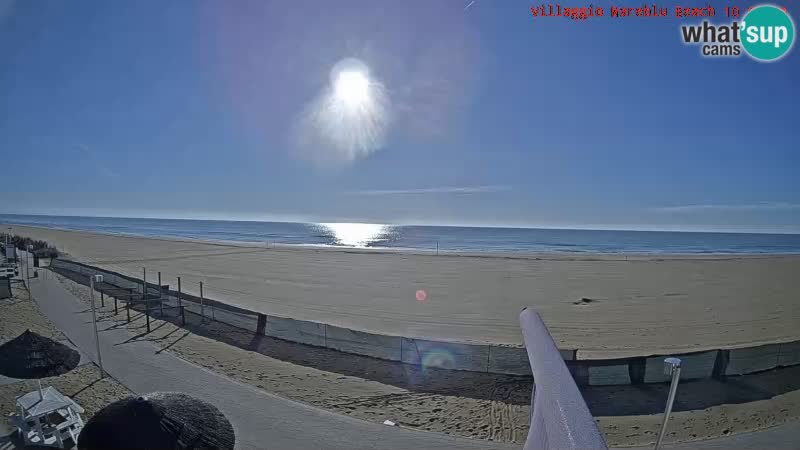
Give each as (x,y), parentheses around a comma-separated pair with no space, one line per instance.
(362,343)
(5,288)
(445,355)
(459,356)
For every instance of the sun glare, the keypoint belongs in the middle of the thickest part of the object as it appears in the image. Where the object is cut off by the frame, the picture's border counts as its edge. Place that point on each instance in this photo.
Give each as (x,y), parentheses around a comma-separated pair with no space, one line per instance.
(349,119)
(352,87)
(356,234)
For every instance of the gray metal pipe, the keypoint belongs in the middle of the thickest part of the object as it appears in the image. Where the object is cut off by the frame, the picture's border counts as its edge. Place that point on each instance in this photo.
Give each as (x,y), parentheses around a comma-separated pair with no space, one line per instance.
(672,366)
(560,418)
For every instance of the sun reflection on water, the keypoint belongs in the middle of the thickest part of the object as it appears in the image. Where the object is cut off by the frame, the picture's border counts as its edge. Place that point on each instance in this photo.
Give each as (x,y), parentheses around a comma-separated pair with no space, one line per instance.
(356,234)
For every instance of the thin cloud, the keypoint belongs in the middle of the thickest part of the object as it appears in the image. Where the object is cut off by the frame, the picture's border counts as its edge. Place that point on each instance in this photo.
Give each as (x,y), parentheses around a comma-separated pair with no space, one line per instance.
(434,190)
(755,207)
(100,168)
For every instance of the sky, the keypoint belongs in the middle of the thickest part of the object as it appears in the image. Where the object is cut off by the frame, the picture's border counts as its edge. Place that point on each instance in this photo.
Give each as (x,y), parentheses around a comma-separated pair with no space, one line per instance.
(479,115)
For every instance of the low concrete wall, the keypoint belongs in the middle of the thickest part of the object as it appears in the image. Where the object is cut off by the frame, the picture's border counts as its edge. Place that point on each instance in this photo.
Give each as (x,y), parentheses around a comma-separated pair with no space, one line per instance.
(446,355)
(5,288)
(498,359)
(693,366)
(296,331)
(363,343)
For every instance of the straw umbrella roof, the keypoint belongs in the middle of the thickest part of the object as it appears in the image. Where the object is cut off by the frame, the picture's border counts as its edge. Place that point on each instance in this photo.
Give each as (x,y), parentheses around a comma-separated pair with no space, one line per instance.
(158,421)
(31,355)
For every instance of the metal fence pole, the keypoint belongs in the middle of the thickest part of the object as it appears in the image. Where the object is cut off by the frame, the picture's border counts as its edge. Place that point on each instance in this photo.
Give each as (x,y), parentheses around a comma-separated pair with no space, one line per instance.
(116,311)
(144,297)
(102,299)
(202,306)
(160,297)
(179,291)
(672,366)
(94,320)
(128,304)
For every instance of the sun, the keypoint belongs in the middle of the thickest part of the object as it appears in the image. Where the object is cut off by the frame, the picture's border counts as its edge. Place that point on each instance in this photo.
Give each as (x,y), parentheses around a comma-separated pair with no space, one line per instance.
(349,118)
(352,87)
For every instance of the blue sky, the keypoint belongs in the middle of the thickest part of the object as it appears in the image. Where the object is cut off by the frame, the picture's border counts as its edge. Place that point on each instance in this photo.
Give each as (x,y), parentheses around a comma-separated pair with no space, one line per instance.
(192,109)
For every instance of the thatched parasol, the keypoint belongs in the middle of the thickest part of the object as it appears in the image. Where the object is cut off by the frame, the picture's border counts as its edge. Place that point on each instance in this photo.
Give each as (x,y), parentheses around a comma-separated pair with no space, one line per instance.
(161,420)
(32,356)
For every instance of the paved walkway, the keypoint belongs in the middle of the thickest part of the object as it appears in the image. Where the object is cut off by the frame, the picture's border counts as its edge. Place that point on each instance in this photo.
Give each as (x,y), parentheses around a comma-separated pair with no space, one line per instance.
(261,420)
(783,437)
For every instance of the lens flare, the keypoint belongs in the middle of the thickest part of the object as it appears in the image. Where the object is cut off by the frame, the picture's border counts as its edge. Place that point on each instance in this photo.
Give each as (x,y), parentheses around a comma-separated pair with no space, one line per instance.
(348,120)
(438,358)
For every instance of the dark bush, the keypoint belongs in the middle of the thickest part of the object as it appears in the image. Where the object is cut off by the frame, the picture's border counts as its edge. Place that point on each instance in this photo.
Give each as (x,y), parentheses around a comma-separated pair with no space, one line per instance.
(40,248)
(49,252)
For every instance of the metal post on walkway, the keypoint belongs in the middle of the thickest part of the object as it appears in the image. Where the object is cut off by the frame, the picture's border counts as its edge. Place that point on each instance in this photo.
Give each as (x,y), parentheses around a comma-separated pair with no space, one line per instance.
(672,366)
(179,291)
(29,247)
(116,311)
(92,280)
(160,297)
(102,299)
(144,296)
(202,305)
(128,304)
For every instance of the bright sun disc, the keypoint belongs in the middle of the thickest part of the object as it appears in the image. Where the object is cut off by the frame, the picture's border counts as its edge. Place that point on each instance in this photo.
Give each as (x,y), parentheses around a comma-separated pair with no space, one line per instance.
(348,120)
(352,87)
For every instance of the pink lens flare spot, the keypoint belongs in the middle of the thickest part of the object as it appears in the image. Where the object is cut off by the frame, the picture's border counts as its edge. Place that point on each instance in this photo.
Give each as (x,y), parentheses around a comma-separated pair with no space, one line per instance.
(421,295)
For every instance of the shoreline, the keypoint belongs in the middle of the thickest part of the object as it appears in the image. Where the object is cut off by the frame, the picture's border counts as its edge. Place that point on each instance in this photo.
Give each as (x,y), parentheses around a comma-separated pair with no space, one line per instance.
(498,254)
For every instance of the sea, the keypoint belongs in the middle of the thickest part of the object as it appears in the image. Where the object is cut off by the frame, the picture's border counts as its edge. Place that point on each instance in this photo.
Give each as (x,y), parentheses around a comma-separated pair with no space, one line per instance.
(429,238)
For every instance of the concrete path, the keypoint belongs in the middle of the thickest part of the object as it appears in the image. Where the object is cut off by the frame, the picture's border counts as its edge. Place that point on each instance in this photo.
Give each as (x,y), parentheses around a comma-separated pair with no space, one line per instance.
(782,437)
(261,420)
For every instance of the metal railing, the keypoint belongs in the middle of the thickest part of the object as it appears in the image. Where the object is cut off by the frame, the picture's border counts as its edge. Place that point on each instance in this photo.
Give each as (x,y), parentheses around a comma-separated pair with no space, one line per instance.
(560,418)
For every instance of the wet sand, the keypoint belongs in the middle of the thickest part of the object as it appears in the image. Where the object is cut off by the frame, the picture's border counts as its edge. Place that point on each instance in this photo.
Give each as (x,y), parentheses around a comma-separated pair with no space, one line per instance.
(636,304)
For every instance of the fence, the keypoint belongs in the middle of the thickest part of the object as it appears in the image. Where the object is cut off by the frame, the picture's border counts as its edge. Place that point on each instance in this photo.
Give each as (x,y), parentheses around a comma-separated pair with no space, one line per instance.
(560,418)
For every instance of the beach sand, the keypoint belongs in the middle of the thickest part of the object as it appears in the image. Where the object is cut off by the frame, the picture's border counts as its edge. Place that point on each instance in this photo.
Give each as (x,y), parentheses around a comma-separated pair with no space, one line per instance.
(639,304)
(471,404)
(81,384)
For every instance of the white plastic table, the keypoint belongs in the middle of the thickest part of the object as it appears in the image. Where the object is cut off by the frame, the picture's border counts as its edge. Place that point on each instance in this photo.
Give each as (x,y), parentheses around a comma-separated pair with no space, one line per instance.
(48,418)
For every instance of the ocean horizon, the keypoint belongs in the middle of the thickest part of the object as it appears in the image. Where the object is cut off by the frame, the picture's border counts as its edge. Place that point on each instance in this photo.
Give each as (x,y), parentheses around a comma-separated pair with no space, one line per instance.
(426,237)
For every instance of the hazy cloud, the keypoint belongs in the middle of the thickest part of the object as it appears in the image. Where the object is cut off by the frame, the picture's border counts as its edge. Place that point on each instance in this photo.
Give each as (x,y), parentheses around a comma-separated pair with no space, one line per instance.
(95,157)
(755,207)
(434,190)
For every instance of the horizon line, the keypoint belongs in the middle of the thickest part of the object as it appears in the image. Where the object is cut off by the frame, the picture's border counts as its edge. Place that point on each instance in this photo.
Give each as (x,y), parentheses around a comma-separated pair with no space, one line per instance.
(626,228)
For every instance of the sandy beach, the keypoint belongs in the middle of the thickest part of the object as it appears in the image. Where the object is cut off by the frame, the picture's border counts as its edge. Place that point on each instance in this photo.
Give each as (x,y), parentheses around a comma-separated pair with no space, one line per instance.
(470,404)
(638,305)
